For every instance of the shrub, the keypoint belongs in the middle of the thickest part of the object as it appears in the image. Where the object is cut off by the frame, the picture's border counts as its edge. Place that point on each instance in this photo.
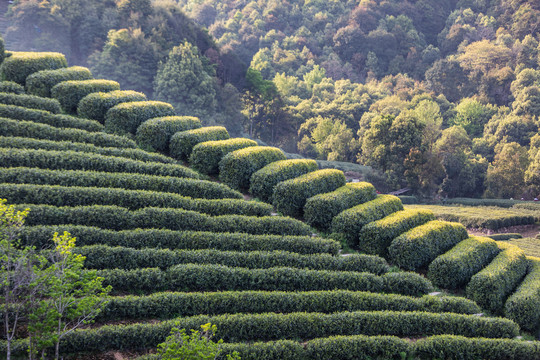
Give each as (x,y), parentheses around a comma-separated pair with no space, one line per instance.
(491,286)
(20,65)
(375,237)
(205,156)
(30,102)
(408,199)
(70,92)
(156,133)
(321,209)
(264,180)
(421,245)
(44,117)
(126,117)
(524,305)
(20,128)
(193,188)
(349,222)
(290,196)
(182,142)
(71,160)
(37,144)
(236,168)
(40,83)
(11,87)
(95,105)
(131,199)
(455,268)
(507,236)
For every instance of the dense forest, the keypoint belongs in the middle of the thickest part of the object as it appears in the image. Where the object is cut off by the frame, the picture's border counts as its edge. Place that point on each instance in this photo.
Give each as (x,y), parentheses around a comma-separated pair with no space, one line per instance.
(439,96)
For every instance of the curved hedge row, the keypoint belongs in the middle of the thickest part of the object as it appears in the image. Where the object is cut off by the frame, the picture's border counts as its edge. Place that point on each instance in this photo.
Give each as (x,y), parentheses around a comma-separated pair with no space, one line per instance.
(290,196)
(205,156)
(182,142)
(348,223)
(106,257)
(126,117)
(376,237)
(236,168)
(197,189)
(95,105)
(132,199)
(491,286)
(321,209)
(524,305)
(209,277)
(20,128)
(11,87)
(44,117)
(156,133)
(118,218)
(169,305)
(420,246)
(455,268)
(20,65)
(70,92)
(31,102)
(72,160)
(264,180)
(41,82)
(40,236)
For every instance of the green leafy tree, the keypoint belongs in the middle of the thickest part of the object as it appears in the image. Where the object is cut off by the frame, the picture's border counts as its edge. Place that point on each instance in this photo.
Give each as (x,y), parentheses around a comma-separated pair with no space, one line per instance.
(505,176)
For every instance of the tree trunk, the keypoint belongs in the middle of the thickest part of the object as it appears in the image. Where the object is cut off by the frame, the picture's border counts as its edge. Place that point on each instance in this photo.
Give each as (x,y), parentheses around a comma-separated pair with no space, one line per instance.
(57,350)
(8,346)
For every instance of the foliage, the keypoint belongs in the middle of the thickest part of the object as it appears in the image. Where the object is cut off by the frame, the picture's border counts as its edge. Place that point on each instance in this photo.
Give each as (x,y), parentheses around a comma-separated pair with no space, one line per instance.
(95,105)
(182,142)
(31,102)
(156,133)
(19,65)
(11,87)
(41,82)
(70,92)
(125,118)
(524,304)
(505,176)
(205,156)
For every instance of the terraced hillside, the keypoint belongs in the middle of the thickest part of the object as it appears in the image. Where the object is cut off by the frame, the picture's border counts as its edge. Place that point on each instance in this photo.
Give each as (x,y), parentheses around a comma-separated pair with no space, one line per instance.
(180,249)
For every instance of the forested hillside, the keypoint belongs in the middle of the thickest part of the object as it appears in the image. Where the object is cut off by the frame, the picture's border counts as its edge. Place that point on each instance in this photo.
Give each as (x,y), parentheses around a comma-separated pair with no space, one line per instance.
(440,96)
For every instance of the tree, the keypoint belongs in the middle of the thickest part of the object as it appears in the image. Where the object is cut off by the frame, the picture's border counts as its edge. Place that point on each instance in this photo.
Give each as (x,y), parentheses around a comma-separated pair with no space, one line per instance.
(505,176)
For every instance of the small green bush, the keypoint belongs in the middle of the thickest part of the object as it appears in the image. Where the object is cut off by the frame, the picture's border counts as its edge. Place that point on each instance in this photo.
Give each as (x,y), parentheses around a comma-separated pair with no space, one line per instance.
(236,168)
(70,92)
(155,134)
(524,305)
(507,236)
(11,87)
(265,180)
(321,209)
(205,156)
(95,105)
(30,102)
(20,65)
(182,142)
(125,118)
(41,82)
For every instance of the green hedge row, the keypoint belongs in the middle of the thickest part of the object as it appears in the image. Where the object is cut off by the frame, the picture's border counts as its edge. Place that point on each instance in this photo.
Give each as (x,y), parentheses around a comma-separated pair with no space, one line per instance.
(419,246)
(291,195)
(524,305)
(106,257)
(265,180)
(21,128)
(376,237)
(11,87)
(176,304)
(40,236)
(118,218)
(236,168)
(482,202)
(211,277)
(198,189)
(41,116)
(350,222)
(40,144)
(205,156)
(322,208)
(131,199)
(41,82)
(491,286)
(156,133)
(72,160)
(456,267)
(182,143)
(95,105)
(507,236)
(126,117)
(20,65)
(31,102)
(70,92)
